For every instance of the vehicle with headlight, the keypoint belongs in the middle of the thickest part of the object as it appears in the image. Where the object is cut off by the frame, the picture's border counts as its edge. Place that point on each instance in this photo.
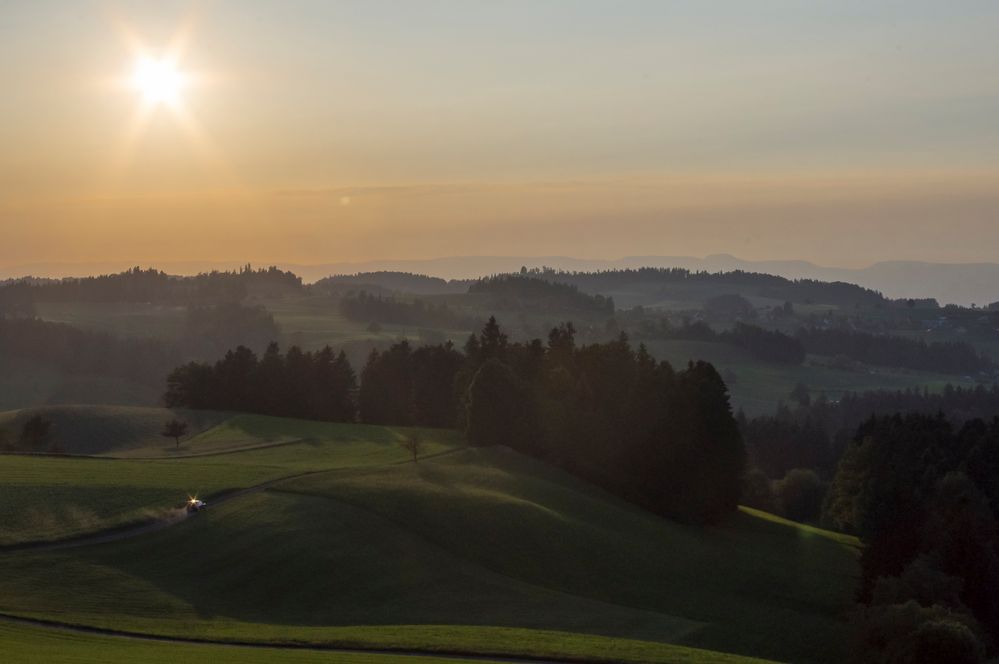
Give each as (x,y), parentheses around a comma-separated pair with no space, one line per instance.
(195,505)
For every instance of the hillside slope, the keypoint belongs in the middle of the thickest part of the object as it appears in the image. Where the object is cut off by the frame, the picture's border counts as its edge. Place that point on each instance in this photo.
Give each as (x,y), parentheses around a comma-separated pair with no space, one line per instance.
(91,430)
(447,551)
(44,498)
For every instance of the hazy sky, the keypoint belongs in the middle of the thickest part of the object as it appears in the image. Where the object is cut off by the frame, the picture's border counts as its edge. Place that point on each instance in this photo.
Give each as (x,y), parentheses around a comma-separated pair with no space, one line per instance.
(839,132)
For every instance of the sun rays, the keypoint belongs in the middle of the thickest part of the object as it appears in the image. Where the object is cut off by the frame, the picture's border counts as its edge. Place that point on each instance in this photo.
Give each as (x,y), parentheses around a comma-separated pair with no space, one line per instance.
(162,84)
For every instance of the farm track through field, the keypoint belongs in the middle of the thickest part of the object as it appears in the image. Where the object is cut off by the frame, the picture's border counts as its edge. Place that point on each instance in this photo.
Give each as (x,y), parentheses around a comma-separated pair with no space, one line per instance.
(163,457)
(172,518)
(344,650)
(199,455)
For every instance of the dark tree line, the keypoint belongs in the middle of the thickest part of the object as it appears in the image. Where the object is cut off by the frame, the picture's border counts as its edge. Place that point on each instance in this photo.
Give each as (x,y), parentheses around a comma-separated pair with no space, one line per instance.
(311,385)
(814,433)
(764,285)
(16,300)
(763,344)
(138,285)
(370,308)
(401,282)
(864,347)
(513,289)
(959,403)
(404,386)
(660,438)
(74,351)
(777,444)
(894,351)
(923,496)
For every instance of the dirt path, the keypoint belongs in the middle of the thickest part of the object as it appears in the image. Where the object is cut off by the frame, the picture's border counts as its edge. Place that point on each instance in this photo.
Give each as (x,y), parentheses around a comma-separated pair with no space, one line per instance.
(162,457)
(172,518)
(178,516)
(200,455)
(416,654)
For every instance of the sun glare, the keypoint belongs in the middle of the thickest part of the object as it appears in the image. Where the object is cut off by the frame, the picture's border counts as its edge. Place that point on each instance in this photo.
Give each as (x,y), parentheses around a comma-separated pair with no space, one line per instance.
(159,81)
(161,87)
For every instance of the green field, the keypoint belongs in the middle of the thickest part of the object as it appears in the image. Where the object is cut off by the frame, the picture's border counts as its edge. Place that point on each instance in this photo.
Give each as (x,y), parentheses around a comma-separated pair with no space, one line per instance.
(468,551)
(37,645)
(47,498)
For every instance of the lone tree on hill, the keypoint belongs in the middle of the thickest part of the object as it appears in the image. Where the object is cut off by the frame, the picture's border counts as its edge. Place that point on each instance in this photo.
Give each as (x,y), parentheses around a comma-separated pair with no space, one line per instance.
(174,429)
(35,432)
(413,444)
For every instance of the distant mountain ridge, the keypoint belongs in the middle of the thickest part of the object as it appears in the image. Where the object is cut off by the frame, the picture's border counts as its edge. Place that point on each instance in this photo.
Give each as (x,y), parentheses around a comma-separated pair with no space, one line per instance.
(958,283)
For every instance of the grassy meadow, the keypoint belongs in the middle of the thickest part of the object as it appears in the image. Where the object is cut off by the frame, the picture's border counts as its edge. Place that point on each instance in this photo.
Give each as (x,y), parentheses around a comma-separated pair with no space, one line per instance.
(143,475)
(36,645)
(467,550)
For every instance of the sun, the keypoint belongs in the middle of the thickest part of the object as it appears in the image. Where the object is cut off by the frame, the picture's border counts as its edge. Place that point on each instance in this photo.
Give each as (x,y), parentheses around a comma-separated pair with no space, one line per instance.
(162,81)
(158,80)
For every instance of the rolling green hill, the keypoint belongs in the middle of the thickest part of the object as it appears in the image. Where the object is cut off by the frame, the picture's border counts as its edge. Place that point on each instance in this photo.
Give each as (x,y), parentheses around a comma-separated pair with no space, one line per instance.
(48,498)
(92,430)
(446,554)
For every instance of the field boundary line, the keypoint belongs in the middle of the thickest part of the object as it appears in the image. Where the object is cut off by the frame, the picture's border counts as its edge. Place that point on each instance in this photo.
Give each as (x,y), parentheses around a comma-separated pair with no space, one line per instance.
(277,645)
(198,455)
